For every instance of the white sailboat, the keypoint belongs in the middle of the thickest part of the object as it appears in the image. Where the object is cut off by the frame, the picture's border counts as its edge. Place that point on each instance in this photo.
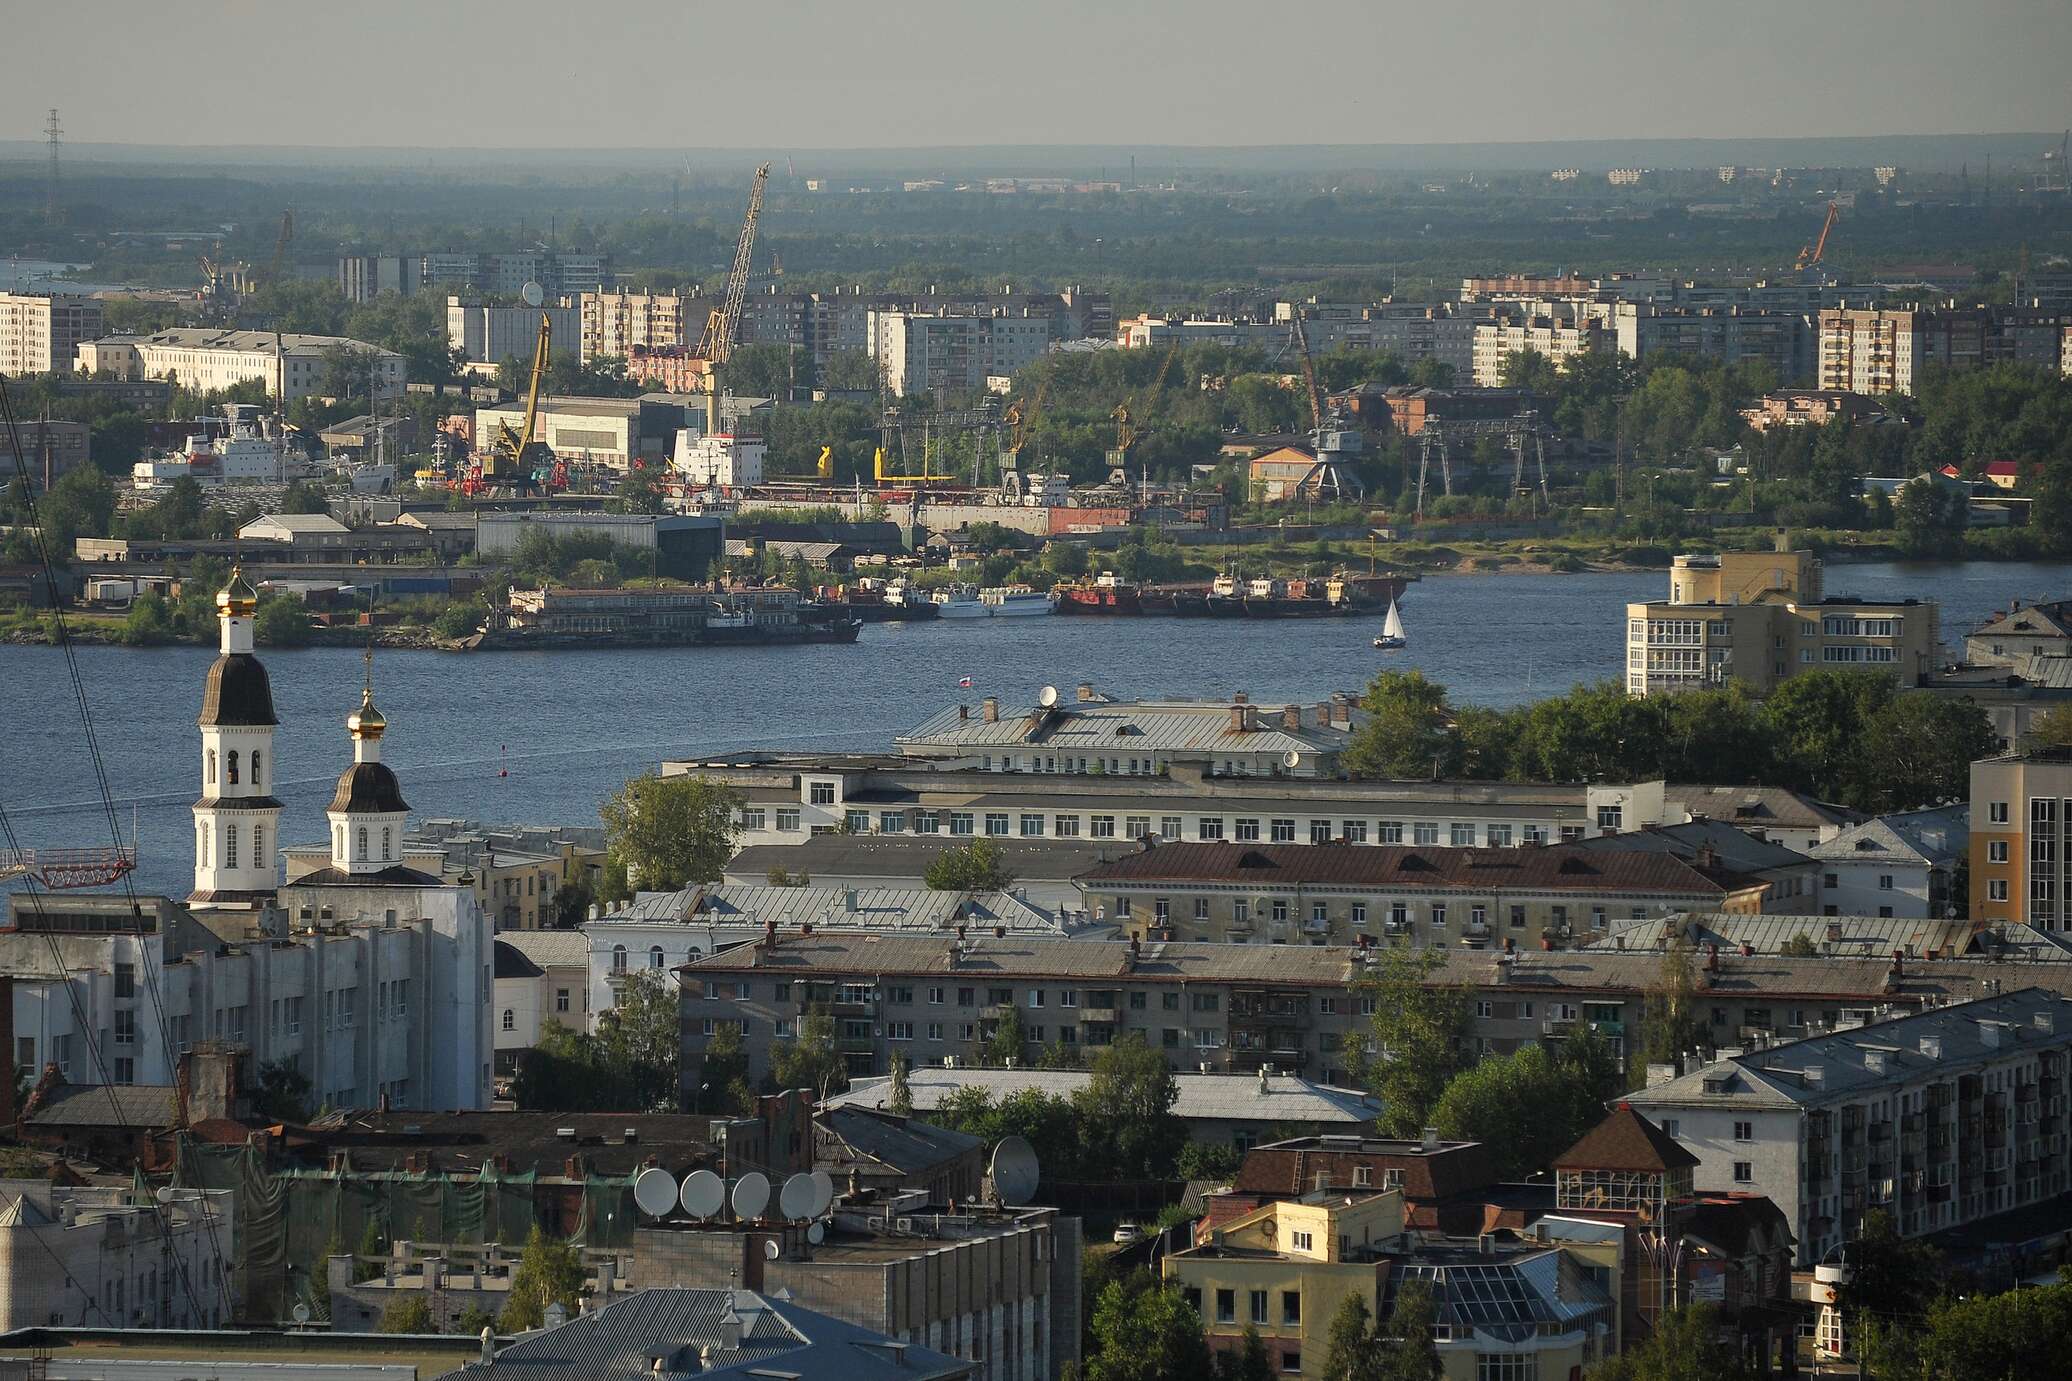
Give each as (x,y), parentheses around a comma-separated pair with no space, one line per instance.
(1392,635)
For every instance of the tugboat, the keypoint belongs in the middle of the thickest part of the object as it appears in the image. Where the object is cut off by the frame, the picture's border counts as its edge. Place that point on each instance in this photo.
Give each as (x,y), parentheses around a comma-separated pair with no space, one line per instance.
(1107,594)
(1392,632)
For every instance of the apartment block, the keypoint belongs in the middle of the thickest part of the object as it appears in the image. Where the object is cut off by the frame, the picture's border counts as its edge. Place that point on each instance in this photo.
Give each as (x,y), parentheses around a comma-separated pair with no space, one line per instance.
(1558,335)
(2021,838)
(1252,892)
(617,324)
(1729,335)
(490,333)
(1887,351)
(1759,618)
(40,333)
(96,1256)
(1941,1118)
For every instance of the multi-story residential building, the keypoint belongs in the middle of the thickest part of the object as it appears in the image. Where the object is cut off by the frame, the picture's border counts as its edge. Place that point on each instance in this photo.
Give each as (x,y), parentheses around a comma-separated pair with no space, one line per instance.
(364,277)
(617,324)
(490,333)
(1888,350)
(2021,838)
(1895,865)
(1512,1310)
(1940,1118)
(2012,637)
(103,1257)
(40,333)
(918,353)
(1250,892)
(1728,335)
(1759,618)
(1559,333)
(518,871)
(541,976)
(291,365)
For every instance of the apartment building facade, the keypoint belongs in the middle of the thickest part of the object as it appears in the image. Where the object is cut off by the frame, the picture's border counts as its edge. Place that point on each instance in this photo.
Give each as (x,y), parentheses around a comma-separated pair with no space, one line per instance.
(490,333)
(1888,350)
(92,1256)
(2021,838)
(919,352)
(1940,1118)
(1728,335)
(1262,893)
(40,333)
(1559,334)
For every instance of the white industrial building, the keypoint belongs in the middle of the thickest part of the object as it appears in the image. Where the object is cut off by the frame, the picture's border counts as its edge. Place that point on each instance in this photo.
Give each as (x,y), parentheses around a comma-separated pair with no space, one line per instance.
(490,333)
(291,364)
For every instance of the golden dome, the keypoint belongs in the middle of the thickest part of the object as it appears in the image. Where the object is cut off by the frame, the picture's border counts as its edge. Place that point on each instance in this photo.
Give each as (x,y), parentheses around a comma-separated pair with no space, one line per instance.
(366,721)
(238,597)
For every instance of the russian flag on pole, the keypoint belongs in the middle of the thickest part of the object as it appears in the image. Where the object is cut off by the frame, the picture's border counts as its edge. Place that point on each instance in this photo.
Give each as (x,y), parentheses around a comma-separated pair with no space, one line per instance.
(964,681)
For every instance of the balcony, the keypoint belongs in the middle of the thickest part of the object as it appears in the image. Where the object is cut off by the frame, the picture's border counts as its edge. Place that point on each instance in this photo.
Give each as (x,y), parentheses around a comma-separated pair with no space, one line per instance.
(1099,1016)
(856,1045)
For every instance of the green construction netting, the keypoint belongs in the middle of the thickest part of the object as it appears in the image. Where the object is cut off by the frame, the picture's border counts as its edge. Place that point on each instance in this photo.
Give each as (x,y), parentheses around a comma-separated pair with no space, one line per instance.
(288,1221)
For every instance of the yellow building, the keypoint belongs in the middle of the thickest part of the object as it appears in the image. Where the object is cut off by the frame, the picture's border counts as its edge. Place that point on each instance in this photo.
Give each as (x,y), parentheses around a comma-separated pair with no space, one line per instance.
(2021,838)
(1534,1308)
(1762,617)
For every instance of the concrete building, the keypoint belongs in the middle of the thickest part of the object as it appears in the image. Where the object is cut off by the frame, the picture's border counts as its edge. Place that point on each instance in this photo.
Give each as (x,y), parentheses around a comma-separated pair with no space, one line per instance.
(1262,893)
(1045,872)
(80,1256)
(2021,838)
(40,333)
(918,352)
(1896,865)
(1940,1118)
(53,450)
(1559,336)
(204,358)
(1725,335)
(2011,637)
(490,333)
(618,324)
(611,432)
(1759,618)
(1888,350)
(1810,407)
(683,546)
(364,277)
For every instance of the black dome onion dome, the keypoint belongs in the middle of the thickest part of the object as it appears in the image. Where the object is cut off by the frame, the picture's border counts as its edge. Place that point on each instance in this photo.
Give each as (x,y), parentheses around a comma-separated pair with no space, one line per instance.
(368,788)
(238,693)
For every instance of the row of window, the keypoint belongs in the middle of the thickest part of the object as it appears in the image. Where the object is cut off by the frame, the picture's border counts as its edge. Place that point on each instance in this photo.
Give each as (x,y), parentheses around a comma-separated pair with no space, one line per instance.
(1279,911)
(230,769)
(1242,829)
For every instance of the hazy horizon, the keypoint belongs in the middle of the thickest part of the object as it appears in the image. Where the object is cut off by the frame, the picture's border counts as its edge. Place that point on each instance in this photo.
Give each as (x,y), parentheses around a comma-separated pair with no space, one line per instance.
(389,76)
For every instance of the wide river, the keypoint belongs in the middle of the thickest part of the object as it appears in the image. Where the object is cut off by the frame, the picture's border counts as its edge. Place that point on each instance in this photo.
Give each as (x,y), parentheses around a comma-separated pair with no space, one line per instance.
(569,727)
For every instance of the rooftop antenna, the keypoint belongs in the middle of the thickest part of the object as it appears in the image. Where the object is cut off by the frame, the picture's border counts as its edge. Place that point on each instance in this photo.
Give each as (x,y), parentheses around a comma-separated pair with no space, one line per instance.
(54,133)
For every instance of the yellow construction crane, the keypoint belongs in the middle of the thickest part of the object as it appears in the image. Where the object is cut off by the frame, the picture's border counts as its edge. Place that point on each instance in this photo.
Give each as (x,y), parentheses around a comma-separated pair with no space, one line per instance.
(1126,431)
(1812,253)
(280,249)
(721,327)
(1021,421)
(515,456)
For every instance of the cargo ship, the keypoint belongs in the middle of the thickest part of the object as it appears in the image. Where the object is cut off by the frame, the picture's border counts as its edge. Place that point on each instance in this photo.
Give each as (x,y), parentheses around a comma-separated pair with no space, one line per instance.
(873,601)
(1107,594)
(662,616)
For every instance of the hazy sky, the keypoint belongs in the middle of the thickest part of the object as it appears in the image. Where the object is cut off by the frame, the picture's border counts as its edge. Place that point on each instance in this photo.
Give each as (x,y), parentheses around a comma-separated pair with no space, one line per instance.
(851,73)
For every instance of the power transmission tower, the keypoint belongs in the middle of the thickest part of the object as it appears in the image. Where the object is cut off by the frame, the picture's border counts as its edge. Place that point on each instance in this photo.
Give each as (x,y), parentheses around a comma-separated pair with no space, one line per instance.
(53,132)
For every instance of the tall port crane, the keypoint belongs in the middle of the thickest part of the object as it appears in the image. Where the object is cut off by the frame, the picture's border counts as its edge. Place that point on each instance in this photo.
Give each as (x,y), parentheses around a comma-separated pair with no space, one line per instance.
(1813,253)
(1126,418)
(515,456)
(1309,375)
(717,345)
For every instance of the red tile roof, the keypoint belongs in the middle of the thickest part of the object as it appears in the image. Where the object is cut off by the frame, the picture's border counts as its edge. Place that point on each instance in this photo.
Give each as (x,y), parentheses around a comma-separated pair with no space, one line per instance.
(1625,1141)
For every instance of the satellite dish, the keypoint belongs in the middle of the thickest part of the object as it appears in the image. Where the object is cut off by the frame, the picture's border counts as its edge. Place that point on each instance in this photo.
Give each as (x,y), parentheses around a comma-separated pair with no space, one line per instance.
(533,294)
(823,1193)
(816,1234)
(795,1200)
(1291,759)
(751,1195)
(1014,1171)
(703,1193)
(654,1191)
(301,1313)
(771,1251)
(1047,697)
(165,1194)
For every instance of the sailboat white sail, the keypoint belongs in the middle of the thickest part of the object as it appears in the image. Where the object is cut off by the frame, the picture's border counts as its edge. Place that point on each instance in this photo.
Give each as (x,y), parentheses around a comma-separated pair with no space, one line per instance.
(1392,634)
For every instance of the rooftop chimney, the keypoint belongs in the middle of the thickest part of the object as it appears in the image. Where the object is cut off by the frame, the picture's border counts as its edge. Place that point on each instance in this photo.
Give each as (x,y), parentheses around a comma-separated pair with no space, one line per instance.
(1238,716)
(1712,959)
(1291,717)
(989,709)
(488,1345)
(1262,1088)
(1431,1139)
(964,712)
(1086,690)
(1324,714)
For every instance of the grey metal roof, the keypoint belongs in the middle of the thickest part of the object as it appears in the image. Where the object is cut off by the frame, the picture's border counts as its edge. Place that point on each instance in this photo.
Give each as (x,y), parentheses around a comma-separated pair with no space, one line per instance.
(1144,726)
(842,908)
(1285,1098)
(1880,1055)
(1511,1296)
(141,1106)
(549,948)
(908,856)
(1736,848)
(1855,937)
(907,1145)
(664,1333)
(1756,806)
(1934,837)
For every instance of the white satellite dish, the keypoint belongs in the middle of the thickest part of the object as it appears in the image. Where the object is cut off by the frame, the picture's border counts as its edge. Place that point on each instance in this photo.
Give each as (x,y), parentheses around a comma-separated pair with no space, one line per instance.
(654,1191)
(1014,1171)
(1291,759)
(771,1251)
(533,294)
(816,1234)
(703,1194)
(165,1194)
(823,1193)
(301,1313)
(751,1195)
(1047,697)
(795,1200)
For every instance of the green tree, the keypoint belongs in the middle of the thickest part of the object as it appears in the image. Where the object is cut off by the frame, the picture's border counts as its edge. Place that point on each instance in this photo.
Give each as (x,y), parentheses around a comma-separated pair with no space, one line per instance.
(670,832)
(281,622)
(365,1268)
(1352,1351)
(1527,1107)
(1150,1333)
(723,1074)
(1128,1106)
(1412,1335)
(408,1314)
(1670,1024)
(547,1272)
(1007,1039)
(976,867)
(2020,1333)
(1406,734)
(2052,729)
(639,1041)
(148,622)
(1892,1277)
(1418,1029)
(1248,1361)
(900,1098)
(1917,750)
(811,1061)
(473,1320)
(283,1092)
(1800,946)
(1686,1345)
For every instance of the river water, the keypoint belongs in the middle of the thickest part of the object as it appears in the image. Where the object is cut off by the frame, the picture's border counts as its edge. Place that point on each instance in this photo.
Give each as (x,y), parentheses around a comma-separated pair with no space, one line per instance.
(569,727)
